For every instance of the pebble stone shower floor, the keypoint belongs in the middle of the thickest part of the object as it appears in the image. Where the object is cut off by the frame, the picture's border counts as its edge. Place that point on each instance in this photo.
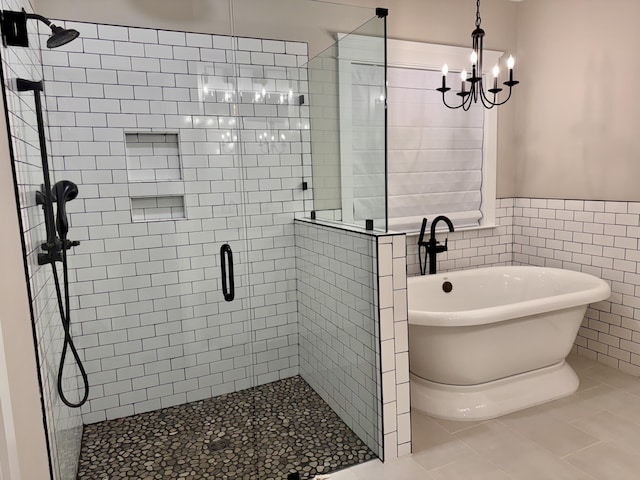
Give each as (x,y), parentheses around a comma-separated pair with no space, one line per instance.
(262,433)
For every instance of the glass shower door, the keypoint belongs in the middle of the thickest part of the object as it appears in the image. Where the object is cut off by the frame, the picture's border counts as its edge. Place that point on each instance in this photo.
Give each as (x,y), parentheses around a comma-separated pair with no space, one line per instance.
(295,429)
(219,261)
(268,95)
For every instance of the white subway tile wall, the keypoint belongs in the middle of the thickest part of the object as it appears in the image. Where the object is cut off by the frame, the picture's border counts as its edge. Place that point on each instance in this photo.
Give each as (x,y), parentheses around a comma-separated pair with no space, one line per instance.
(392,319)
(221,150)
(338,328)
(596,237)
(64,424)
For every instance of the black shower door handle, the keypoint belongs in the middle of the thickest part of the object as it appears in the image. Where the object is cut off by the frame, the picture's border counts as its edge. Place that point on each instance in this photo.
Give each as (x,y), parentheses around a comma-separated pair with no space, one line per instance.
(228,284)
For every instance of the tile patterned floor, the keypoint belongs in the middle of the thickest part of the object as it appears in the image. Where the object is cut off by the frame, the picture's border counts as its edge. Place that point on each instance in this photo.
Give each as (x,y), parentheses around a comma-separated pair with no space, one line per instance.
(271,431)
(591,435)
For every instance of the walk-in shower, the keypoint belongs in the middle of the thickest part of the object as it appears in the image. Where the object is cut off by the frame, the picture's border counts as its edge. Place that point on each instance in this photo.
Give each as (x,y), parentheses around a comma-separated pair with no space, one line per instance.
(179,163)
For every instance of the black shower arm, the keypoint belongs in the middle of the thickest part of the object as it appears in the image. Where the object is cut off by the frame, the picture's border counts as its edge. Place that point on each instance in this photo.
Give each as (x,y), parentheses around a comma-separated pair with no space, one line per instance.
(35,16)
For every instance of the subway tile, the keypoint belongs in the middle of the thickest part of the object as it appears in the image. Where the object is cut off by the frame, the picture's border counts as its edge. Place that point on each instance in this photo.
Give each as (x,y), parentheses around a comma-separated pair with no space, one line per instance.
(158,51)
(115,62)
(172,38)
(129,49)
(110,32)
(143,35)
(296,48)
(98,46)
(199,40)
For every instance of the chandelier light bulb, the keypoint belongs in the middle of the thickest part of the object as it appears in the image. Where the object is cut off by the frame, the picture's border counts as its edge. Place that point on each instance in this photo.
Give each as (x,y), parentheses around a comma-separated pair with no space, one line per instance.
(496,71)
(445,72)
(463,75)
(474,57)
(510,62)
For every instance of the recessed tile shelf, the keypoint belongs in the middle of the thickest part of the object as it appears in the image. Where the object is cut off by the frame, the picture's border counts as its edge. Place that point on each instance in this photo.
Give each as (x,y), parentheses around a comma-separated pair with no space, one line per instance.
(152,157)
(150,209)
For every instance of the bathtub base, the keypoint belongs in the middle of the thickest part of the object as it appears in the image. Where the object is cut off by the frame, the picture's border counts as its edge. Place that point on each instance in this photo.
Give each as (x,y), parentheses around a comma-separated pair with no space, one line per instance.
(496,398)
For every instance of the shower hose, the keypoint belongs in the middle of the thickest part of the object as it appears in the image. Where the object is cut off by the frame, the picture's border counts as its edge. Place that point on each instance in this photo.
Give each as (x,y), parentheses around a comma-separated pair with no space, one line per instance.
(65,312)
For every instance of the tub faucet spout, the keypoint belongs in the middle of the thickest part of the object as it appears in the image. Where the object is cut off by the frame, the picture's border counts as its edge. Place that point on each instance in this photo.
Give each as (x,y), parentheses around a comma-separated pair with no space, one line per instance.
(433,246)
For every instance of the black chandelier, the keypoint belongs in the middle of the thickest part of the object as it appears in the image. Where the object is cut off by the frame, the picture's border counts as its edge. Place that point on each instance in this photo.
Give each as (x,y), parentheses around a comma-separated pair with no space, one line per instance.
(476,89)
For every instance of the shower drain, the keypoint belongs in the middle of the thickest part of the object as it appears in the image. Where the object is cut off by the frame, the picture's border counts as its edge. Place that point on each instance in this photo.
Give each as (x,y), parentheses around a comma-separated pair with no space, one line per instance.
(219,444)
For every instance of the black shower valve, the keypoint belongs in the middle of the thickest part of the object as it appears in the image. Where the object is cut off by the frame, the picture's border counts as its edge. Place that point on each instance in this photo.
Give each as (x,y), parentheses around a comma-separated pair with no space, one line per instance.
(53,250)
(49,257)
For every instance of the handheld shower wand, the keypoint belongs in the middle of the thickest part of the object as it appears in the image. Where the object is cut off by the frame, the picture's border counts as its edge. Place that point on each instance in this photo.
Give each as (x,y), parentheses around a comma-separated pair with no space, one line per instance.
(64,191)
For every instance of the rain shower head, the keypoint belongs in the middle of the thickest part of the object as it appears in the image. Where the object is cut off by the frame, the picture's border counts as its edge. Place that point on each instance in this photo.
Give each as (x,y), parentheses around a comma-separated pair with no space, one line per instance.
(14,29)
(61,36)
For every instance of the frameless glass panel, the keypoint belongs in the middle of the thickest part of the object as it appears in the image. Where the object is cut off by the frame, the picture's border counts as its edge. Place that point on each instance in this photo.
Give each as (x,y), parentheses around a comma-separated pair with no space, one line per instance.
(348,128)
(292,424)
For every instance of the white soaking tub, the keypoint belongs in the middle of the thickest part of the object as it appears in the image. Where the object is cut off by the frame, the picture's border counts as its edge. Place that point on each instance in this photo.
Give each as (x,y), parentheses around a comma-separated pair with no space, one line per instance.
(486,342)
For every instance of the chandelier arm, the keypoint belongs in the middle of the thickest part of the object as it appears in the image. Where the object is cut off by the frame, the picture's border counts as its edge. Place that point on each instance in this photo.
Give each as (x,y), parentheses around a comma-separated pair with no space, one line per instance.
(497,104)
(486,102)
(473,93)
(444,100)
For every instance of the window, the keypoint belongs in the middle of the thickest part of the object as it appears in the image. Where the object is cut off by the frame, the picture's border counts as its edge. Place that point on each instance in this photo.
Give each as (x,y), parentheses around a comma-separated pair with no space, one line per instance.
(440,161)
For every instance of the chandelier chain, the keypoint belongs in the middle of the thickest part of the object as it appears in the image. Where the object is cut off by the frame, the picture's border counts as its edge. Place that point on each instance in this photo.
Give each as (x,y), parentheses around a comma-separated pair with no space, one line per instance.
(478,19)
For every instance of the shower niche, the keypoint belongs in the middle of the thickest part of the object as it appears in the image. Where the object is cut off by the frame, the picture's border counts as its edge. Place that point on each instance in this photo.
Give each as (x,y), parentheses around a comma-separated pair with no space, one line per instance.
(153,157)
(154,173)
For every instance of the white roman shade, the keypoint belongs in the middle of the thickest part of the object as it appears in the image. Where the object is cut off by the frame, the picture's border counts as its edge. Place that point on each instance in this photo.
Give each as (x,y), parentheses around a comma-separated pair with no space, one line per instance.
(439,161)
(435,153)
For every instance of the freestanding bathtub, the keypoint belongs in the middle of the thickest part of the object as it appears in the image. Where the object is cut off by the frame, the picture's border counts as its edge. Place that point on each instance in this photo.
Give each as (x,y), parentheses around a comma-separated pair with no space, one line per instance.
(486,342)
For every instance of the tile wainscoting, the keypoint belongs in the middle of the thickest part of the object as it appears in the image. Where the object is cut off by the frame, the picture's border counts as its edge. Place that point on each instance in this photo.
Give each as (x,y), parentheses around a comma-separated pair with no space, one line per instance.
(597,237)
